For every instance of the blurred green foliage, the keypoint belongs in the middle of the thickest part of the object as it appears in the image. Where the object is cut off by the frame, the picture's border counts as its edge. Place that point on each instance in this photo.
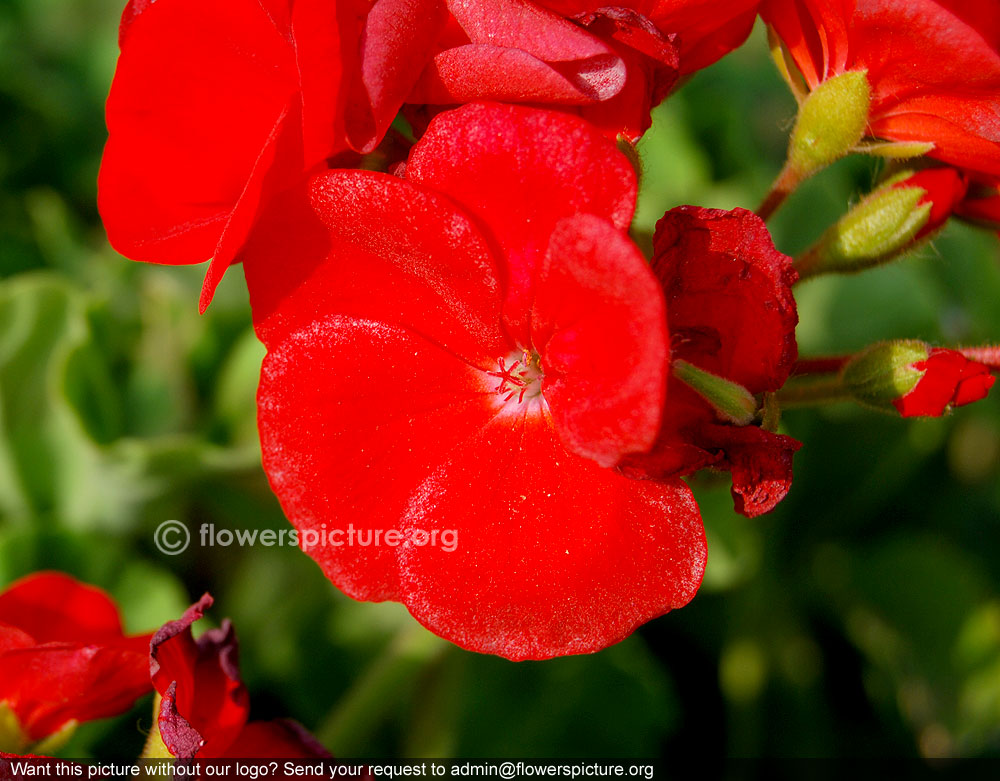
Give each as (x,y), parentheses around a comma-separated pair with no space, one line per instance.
(860,619)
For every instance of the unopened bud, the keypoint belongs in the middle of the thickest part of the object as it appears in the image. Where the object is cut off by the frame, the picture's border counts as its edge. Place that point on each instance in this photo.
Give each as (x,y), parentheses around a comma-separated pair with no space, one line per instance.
(914,379)
(889,222)
(832,120)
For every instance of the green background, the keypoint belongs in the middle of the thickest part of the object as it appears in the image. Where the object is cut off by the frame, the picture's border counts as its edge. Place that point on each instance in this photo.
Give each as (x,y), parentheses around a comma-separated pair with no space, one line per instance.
(859,619)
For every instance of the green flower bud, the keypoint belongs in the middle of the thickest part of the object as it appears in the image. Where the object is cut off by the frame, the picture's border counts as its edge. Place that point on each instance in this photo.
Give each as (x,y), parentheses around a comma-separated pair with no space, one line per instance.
(832,120)
(883,373)
(878,229)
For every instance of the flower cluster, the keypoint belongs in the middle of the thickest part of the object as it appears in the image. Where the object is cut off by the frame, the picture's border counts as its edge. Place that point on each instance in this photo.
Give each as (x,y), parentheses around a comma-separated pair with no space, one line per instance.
(432,200)
(64,660)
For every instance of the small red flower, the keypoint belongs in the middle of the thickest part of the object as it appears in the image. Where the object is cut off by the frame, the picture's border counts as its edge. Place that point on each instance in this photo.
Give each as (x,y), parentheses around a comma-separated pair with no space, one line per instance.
(949,380)
(460,357)
(731,313)
(64,657)
(933,67)
(204,705)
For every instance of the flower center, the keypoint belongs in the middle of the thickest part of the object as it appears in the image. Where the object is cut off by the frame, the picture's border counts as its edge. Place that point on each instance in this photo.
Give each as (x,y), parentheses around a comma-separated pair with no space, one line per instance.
(520,375)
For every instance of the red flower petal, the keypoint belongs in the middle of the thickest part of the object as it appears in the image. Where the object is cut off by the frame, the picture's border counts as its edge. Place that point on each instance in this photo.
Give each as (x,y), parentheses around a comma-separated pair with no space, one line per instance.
(584,60)
(53,607)
(706,30)
(598,319)
(397,38)
(729,299)
(180,182)
(63,655)
(731,312)
(50,684)
(950,380)
(519,171)
(429,263)
(945,188)
(205,704)
(554,555)
(353,414)
(480,71)
(760,463)
(982,203)
(815,33)
(651,63)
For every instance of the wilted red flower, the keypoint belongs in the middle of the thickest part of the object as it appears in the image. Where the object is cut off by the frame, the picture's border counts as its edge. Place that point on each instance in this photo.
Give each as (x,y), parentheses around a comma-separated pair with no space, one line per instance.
(63,656)
(932,65)
(459,367)
(731,313)
(204,705)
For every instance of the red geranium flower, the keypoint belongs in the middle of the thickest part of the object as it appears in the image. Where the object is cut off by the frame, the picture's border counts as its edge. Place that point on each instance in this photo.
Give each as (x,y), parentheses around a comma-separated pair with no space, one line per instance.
(204,705)
(932,65)
(732,314)
(63,656)
(458,358)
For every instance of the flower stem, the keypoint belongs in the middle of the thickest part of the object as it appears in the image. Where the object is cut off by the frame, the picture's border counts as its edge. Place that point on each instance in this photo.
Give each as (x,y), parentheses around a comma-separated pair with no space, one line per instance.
(822,365)
(365,705)
(811,391)
(988,355)
(786,183)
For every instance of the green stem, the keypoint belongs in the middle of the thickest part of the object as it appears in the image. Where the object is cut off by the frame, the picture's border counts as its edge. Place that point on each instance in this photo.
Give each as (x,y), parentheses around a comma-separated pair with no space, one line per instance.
(821,365)
(988,354)
(808,263)
(810,392)
(365,705)
(786,183)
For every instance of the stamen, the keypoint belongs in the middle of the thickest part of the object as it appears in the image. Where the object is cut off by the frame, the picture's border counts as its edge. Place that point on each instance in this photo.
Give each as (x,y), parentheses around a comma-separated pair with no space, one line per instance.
(520,378)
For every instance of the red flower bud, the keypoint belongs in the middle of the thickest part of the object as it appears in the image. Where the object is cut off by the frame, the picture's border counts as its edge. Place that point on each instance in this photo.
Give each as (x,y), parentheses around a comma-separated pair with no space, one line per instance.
(64,657)
(731,313)
(949,380)
(915,379)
